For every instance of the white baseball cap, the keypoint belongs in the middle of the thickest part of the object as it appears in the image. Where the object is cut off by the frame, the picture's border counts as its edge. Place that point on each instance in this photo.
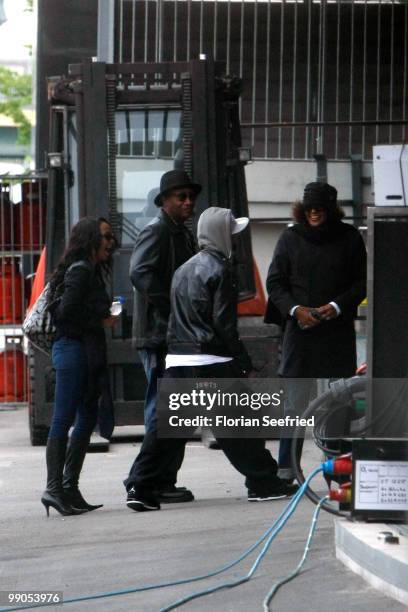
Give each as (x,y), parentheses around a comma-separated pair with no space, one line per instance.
(238,225)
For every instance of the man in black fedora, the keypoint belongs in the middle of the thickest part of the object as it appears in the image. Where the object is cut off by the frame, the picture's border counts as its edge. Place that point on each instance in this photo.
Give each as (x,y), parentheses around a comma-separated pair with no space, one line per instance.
(161,247)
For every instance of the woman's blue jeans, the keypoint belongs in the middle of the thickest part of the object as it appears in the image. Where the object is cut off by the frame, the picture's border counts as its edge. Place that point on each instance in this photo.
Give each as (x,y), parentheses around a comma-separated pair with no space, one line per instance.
(70,362)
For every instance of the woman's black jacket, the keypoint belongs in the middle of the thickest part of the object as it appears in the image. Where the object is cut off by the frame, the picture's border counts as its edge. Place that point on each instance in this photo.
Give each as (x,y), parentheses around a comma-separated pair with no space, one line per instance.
(309,269)
(79,315)
(84,302)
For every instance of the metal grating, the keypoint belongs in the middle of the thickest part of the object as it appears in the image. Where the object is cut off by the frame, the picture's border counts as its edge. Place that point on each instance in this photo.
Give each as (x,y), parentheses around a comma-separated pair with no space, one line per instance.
(327,77)
(22,237)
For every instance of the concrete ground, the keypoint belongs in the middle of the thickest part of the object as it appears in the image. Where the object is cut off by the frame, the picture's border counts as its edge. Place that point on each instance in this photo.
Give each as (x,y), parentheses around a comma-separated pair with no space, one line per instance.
(114,548)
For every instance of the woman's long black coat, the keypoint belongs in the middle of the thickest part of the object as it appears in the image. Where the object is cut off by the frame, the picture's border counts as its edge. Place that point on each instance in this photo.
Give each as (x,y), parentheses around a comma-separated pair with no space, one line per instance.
(308,270)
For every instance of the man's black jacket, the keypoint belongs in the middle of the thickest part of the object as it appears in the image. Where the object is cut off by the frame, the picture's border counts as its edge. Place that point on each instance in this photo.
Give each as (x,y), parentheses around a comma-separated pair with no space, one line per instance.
(204,310)
(161,247)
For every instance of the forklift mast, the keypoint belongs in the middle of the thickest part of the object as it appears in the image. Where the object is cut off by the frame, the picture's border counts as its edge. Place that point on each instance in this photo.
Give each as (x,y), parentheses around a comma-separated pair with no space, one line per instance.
(116,128)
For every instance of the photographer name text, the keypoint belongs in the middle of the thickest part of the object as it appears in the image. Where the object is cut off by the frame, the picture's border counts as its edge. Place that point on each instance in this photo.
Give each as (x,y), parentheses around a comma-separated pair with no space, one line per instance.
(239,421)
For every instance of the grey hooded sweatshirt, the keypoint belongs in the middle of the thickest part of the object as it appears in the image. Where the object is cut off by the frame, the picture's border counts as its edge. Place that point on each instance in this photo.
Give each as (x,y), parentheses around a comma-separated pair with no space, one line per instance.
(203,317)
(214,230)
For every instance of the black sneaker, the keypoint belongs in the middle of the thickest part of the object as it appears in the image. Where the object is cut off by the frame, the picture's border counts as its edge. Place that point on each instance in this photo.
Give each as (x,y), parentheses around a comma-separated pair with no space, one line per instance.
(279,492)
(287,481)
(141,502)
(175,495)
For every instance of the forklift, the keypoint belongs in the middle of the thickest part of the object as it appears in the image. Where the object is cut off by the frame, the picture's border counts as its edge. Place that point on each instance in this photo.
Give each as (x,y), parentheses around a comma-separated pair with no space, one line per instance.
(114,130)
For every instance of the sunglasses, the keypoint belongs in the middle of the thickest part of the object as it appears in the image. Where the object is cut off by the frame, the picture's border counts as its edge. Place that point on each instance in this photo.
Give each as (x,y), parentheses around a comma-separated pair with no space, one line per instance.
(184,195)
(317,208)
(109,236)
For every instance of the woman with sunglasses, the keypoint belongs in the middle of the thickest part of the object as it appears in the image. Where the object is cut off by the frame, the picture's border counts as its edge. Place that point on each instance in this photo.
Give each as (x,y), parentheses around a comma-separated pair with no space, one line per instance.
(80,307)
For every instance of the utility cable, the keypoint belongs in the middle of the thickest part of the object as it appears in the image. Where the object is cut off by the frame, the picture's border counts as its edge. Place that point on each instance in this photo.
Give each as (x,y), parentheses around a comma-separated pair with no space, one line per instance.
(318,433)
(341,390)
(389,410)
(273,532)
(293,574)
(150,587)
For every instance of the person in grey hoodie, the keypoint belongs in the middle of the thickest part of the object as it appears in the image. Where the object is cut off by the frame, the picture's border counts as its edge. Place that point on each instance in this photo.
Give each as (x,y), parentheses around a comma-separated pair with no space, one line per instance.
(203,342)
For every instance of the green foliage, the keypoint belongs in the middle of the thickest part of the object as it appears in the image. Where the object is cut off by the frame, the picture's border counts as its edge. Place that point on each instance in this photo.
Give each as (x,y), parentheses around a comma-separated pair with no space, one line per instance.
(15,93)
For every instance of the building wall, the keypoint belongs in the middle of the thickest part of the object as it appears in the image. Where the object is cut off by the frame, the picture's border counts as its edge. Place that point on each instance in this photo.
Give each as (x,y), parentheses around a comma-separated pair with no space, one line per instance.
(343,61)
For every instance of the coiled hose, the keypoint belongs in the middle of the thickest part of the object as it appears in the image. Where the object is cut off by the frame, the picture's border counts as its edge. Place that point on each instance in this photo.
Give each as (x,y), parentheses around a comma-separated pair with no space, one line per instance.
(341,391)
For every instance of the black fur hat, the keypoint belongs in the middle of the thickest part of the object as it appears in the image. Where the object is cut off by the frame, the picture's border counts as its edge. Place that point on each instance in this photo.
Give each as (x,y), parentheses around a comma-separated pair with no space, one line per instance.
(320,195)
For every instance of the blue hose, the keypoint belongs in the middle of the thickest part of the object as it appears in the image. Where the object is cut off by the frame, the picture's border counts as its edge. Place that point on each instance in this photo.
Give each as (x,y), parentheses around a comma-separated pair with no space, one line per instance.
(269,534)
(293,574)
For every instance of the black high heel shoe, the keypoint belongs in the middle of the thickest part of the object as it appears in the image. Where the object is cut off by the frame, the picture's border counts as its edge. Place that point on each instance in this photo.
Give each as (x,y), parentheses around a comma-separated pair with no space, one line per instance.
(77,502)
(76,453)
(53,495)
(58,502)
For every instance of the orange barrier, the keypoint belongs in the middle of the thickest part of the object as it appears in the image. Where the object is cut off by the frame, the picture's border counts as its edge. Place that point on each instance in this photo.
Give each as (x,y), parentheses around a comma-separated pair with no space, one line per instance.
(39,281)
(257,304)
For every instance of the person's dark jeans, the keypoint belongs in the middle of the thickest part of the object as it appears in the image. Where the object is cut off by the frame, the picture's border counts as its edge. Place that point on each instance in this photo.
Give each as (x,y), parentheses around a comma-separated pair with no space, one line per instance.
(70,362)
(298,394)
(153,364)
(249,456)
(286,470)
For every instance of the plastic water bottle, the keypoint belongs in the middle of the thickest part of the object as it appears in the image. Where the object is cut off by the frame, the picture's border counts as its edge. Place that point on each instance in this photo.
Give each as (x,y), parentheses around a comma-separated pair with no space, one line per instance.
(117,306)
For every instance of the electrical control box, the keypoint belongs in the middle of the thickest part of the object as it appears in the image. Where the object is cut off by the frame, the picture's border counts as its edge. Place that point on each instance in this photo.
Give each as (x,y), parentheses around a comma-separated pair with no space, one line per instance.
(380,480)
(390,167)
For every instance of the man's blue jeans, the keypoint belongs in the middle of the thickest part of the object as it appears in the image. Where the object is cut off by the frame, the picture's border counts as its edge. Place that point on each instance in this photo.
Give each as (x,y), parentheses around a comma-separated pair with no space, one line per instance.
(153,364)
(154,367)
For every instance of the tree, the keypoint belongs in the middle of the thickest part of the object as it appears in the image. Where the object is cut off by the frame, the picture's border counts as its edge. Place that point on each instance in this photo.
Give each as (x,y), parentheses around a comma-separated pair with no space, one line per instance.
(15,93)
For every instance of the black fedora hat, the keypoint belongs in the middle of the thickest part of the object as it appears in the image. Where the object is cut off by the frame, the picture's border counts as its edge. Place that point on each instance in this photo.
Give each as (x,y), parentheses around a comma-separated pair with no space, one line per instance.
(175,179)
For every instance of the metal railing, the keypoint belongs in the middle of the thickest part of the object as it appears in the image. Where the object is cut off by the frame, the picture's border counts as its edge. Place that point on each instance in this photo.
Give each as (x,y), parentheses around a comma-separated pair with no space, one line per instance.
(22,237)
(319,77)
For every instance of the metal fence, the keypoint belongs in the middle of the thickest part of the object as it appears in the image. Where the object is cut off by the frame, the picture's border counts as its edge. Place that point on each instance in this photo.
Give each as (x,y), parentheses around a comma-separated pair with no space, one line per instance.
(22,237)
(319,77)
